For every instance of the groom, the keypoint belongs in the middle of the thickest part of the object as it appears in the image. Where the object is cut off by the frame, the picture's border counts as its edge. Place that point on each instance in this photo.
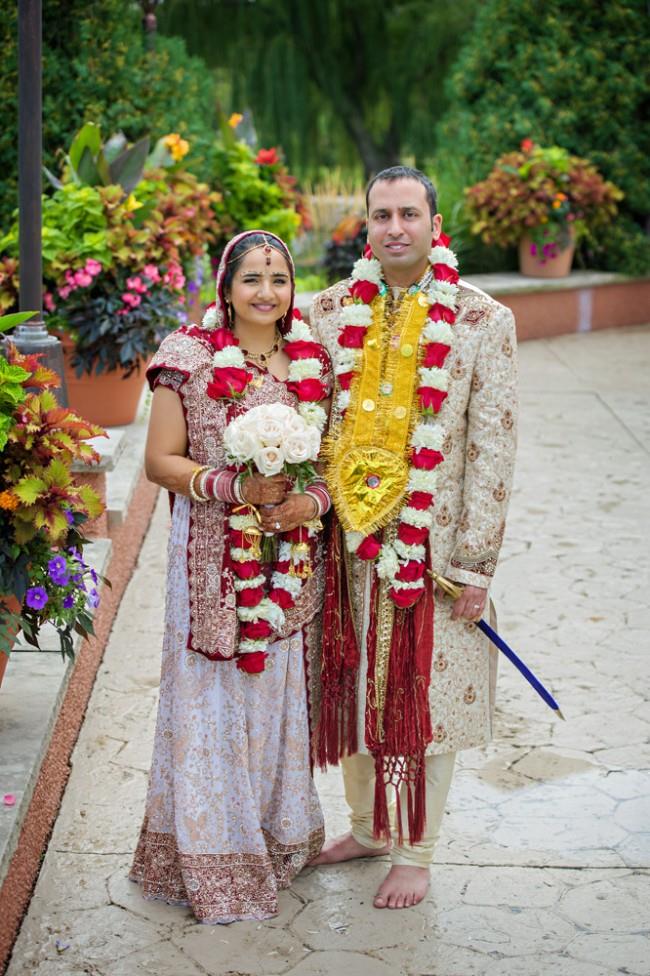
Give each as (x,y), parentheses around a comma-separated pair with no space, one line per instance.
(419,462)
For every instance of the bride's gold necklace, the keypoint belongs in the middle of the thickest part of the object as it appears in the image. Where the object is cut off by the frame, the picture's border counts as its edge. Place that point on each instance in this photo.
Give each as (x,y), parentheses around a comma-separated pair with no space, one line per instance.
(261,359)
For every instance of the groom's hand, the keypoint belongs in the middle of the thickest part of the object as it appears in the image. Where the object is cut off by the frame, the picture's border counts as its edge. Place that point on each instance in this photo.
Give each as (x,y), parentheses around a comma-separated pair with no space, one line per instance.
(470,604)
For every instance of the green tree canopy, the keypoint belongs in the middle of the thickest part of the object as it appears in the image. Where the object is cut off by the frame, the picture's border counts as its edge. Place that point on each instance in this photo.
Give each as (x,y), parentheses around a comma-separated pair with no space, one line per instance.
(96,68)
(575,74)
(332,81)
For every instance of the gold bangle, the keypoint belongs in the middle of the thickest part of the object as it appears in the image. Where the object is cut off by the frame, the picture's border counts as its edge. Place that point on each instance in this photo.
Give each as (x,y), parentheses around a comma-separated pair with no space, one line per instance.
(194,495)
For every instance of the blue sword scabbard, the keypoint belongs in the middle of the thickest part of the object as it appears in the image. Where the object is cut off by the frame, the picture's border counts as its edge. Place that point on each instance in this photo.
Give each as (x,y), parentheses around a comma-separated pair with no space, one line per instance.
(492,635)
(454,590)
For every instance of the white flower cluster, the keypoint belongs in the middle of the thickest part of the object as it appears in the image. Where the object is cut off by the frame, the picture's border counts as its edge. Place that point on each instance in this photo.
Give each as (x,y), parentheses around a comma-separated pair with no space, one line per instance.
(299,331)
(209,320)
(427,435)
(438,332)
(443,293)
(358,314)
(435,377)
(443,255)
(230,356)
(367,269)
(271,436)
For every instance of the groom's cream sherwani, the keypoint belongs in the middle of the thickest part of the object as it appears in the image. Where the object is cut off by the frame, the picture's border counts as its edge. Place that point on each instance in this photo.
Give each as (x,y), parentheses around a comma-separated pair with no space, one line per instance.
(479,420)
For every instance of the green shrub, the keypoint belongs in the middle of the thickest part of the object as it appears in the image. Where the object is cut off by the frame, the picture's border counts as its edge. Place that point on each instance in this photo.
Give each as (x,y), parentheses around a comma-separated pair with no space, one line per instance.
(96,68)
(574,75)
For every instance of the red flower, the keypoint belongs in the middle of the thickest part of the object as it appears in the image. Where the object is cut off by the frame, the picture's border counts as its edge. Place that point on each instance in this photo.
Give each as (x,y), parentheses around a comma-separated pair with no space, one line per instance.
(368,548)
(309,390)
(426,458)
(435,354)
(283,598)
(295,535)
(221,338)
(352,336)
(410,535)
(420,500)
(267,157)
(411,572)
(246,570)
(253,663)
(238,540)
(438,312)
(367,252)
(345,379)
(443,241)
(303,349)
(431,400)
(405,598)
(297,314)
(228,382)
(365,290)
(526,145)
(442,272)
(250,597)
(256,630)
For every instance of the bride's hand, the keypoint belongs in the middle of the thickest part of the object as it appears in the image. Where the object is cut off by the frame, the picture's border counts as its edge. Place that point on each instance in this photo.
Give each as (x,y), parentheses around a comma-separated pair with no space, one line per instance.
(295,510)
(260,490)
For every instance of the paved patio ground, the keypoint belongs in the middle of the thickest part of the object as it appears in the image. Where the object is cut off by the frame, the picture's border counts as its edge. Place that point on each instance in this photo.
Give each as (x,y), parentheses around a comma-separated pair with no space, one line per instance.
(543,868)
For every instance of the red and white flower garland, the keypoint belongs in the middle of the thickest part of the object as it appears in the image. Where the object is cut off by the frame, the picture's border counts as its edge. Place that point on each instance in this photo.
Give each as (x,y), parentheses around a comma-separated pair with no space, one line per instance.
(260,608)
(402,563)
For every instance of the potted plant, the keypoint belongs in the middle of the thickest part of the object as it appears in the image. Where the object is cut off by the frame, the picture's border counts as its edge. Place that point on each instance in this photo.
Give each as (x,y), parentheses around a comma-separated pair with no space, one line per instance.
(545,201)
(43,577)
(121,231)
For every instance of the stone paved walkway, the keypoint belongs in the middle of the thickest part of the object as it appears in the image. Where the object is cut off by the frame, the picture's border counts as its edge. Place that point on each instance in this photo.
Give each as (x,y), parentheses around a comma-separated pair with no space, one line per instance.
(544,864)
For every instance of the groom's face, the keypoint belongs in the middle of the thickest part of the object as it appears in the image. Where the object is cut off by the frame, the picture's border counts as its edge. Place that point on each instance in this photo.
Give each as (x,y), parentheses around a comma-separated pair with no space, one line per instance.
(400,228)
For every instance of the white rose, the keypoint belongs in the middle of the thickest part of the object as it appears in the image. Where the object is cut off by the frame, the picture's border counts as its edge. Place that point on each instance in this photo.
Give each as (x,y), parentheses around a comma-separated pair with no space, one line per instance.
(269,460)
(295,424)
(241,444)
(299,447)
(270,432)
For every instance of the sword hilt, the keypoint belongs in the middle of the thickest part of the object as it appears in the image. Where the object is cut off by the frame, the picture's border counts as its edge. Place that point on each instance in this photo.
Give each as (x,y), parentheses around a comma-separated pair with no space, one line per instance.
(454,590)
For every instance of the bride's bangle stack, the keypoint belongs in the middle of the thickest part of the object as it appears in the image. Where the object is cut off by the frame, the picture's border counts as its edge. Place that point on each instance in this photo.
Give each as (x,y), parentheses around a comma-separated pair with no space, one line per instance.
(209,484)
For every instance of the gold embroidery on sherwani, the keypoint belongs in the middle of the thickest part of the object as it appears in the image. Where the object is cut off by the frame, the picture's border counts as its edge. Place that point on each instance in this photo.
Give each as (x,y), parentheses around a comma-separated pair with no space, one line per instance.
(367,453)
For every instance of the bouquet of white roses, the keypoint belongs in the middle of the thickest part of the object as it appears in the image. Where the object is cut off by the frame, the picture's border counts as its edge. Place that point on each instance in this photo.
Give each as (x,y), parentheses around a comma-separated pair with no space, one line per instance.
(274,439)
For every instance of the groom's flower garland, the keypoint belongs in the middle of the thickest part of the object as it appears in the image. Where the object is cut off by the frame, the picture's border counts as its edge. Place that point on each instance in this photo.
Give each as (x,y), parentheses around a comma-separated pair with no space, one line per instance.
(402,562)
(260,609)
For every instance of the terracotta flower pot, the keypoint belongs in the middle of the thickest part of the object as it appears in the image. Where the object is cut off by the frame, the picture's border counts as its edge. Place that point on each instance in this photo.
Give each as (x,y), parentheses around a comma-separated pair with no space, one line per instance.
(12,604)
(551,267)
(107,399)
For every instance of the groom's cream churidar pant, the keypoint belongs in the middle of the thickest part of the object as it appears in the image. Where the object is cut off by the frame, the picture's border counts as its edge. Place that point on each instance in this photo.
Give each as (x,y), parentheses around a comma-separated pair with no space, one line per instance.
(359,784)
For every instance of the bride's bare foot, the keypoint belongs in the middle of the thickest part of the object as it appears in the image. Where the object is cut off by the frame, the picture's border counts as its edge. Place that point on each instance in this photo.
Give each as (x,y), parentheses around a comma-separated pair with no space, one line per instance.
(404,887)
(346,848)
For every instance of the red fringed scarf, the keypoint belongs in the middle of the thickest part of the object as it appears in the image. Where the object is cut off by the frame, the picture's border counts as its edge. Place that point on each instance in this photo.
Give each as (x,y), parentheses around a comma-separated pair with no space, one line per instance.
(399,756)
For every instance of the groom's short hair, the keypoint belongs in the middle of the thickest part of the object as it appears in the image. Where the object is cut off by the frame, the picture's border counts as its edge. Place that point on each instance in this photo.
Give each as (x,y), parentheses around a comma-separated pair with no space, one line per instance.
(406,173)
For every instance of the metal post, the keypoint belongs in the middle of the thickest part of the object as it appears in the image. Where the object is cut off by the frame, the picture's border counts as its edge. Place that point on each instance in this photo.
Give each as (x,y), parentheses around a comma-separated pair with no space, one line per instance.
(32,336)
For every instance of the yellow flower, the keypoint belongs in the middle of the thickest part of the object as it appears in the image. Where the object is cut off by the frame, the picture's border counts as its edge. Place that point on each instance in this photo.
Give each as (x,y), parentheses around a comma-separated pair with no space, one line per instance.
(234,120)
(177,147)
(131,203)
(8,501)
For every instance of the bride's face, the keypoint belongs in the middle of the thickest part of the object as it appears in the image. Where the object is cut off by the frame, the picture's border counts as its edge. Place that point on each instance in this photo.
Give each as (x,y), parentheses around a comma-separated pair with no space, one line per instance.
(260,292)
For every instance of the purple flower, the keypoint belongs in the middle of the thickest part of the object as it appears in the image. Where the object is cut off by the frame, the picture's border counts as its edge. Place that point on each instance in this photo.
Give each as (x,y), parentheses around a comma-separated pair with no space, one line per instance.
(57,566)
(69,516)
(93,598)
(36,597)
(94,577)
(68,602)
(533,249)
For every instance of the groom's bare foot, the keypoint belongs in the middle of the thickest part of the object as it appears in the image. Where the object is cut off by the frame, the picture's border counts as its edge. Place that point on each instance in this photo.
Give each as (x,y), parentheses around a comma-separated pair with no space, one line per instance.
(346,848)
(404,887)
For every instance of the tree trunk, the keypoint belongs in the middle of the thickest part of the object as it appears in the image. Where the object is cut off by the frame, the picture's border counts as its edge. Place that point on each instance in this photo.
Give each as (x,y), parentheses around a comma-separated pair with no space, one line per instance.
(374,156)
